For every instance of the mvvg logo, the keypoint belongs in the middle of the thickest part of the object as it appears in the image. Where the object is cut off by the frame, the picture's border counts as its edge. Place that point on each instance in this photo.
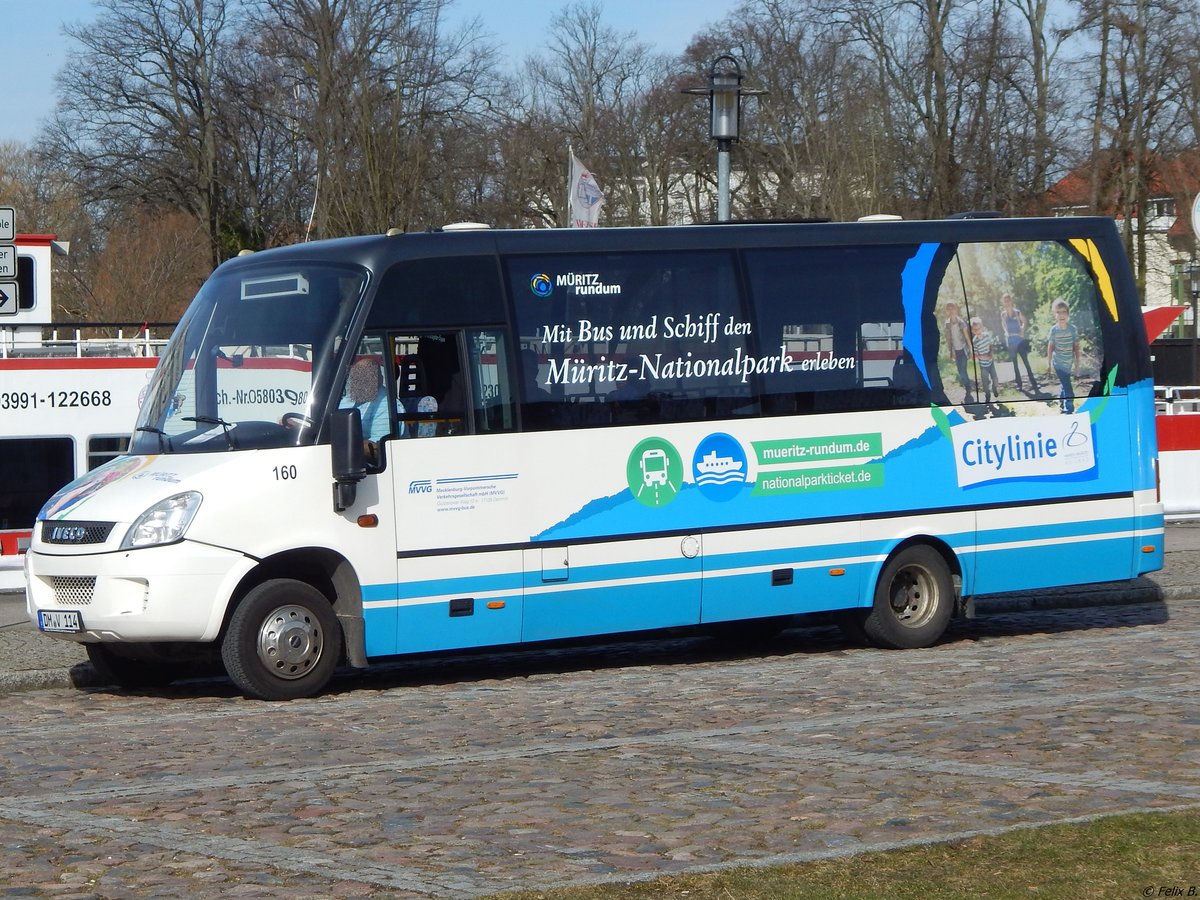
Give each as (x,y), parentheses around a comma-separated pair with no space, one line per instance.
(424,486)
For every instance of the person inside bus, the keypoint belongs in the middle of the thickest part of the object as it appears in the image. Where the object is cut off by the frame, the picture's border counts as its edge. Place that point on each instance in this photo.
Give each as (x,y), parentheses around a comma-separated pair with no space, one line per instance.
(441,405)
(366,392)
(453,405)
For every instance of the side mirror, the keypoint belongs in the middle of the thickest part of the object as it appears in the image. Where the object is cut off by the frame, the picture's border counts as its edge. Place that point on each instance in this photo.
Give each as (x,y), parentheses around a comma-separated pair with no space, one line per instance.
(349,460)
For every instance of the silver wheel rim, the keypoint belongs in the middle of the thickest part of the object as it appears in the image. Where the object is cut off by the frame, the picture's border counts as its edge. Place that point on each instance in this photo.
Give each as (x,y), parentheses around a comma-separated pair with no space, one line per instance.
(913,595)
(290,642)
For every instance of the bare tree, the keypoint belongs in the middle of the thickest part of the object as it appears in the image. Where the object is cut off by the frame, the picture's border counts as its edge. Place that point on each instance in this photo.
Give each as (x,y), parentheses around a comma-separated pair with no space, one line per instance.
(270,165)
(1041,93)
(924,51)
(379,92)
(1135,107)
(151,266)
(811,143)
(1187,78)
(592,87)
(138,106)
(44,202)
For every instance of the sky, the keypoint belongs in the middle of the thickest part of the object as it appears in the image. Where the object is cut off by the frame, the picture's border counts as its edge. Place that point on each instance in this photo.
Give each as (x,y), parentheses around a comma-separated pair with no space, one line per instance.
(36,48)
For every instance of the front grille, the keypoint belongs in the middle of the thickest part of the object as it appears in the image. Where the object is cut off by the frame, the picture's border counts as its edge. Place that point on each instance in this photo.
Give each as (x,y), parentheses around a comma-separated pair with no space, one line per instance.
(74,590)
(76,532)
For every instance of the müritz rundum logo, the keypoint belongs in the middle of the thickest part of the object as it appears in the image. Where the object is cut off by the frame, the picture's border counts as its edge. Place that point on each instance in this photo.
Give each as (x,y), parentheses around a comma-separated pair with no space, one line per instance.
(541,285)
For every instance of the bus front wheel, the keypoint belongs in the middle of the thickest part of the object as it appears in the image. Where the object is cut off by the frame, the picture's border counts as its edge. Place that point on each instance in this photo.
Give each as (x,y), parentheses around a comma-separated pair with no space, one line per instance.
(283,641)
(914,599)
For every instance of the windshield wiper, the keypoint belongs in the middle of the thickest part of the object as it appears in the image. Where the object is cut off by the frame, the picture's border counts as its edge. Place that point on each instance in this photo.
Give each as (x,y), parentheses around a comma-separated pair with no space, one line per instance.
(164,439)
(226,428)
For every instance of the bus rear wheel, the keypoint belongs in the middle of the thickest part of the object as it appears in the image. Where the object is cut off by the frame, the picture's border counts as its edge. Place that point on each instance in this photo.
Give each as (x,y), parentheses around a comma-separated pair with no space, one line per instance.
(914,599)
(283,641)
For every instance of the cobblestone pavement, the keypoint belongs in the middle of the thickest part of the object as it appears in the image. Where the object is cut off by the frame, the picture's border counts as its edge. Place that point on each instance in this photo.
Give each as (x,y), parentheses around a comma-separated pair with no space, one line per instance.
(461,776)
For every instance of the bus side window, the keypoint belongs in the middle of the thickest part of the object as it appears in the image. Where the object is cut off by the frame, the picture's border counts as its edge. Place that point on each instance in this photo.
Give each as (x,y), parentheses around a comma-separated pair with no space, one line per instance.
(631,337)
(837,314)
(453,382)
(488,366)
(427,369)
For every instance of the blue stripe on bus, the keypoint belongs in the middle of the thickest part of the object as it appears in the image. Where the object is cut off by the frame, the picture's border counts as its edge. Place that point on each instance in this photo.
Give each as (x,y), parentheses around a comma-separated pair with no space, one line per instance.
(514,581)
(1102,559)
(459,584)
(642,568)
(426,627)
(1056,530)
(589,603)
(794,556)
(728,597)
(608,609)
(714,564)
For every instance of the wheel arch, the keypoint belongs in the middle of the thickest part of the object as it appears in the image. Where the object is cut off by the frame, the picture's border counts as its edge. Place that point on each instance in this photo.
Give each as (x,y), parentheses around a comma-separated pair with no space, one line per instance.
(327,571)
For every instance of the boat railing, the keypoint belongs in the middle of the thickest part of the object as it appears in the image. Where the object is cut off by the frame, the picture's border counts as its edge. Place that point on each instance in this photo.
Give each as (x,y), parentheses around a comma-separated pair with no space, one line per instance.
(1173,400)
(86,340)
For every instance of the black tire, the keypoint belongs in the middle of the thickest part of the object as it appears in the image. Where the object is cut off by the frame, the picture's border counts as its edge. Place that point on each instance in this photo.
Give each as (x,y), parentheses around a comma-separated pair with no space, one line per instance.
(132,671)
(283,641)
(914,599)
(850,621)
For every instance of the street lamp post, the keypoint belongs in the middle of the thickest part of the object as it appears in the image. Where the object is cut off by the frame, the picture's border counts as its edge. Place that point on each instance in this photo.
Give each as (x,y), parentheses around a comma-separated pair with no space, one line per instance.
(725,93)
(1192,270)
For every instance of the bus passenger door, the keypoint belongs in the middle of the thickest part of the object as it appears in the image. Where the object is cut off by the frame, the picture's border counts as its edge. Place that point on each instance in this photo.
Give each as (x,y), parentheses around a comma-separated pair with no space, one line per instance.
(609,587)
(456,472)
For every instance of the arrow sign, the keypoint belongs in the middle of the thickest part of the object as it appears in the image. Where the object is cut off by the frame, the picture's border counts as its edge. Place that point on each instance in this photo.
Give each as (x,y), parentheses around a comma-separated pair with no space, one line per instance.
(10,296)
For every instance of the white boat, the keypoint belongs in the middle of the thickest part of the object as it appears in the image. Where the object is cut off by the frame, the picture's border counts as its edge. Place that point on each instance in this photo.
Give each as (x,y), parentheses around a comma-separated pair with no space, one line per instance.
(718,465)
(69,398)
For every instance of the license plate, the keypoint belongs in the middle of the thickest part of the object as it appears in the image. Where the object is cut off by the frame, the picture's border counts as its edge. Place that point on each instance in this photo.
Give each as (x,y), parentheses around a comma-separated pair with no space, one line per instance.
(62,620)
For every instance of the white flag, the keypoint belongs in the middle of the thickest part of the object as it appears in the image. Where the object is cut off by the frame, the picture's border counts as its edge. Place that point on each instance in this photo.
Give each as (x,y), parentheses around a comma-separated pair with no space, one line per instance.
(585,197)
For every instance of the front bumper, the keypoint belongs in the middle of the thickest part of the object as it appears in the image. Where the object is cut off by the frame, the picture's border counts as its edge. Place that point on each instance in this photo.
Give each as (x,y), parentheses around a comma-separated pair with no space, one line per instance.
(174,593)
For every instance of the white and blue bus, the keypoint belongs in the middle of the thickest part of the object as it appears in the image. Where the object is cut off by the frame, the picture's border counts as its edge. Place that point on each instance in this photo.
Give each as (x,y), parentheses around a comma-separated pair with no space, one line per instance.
(367,447)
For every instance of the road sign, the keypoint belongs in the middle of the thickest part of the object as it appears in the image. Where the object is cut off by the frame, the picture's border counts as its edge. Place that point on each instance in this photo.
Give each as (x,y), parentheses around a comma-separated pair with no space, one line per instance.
(8,262)
(10,297)
(8,224)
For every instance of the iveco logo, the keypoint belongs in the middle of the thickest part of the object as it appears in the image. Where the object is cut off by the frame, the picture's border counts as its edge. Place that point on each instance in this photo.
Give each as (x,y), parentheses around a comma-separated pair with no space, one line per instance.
(420,487)
(68,534)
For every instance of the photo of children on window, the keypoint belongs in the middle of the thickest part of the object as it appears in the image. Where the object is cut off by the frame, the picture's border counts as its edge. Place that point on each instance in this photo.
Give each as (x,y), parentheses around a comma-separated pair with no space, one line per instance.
(1019,329)
(958,342)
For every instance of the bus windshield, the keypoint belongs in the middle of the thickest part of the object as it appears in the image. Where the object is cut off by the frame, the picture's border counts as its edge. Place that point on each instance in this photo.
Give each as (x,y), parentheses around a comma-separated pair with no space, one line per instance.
(250,365)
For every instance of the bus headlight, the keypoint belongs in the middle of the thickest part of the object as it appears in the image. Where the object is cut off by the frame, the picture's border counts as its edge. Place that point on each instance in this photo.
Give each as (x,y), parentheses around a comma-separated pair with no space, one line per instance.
(165,522)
